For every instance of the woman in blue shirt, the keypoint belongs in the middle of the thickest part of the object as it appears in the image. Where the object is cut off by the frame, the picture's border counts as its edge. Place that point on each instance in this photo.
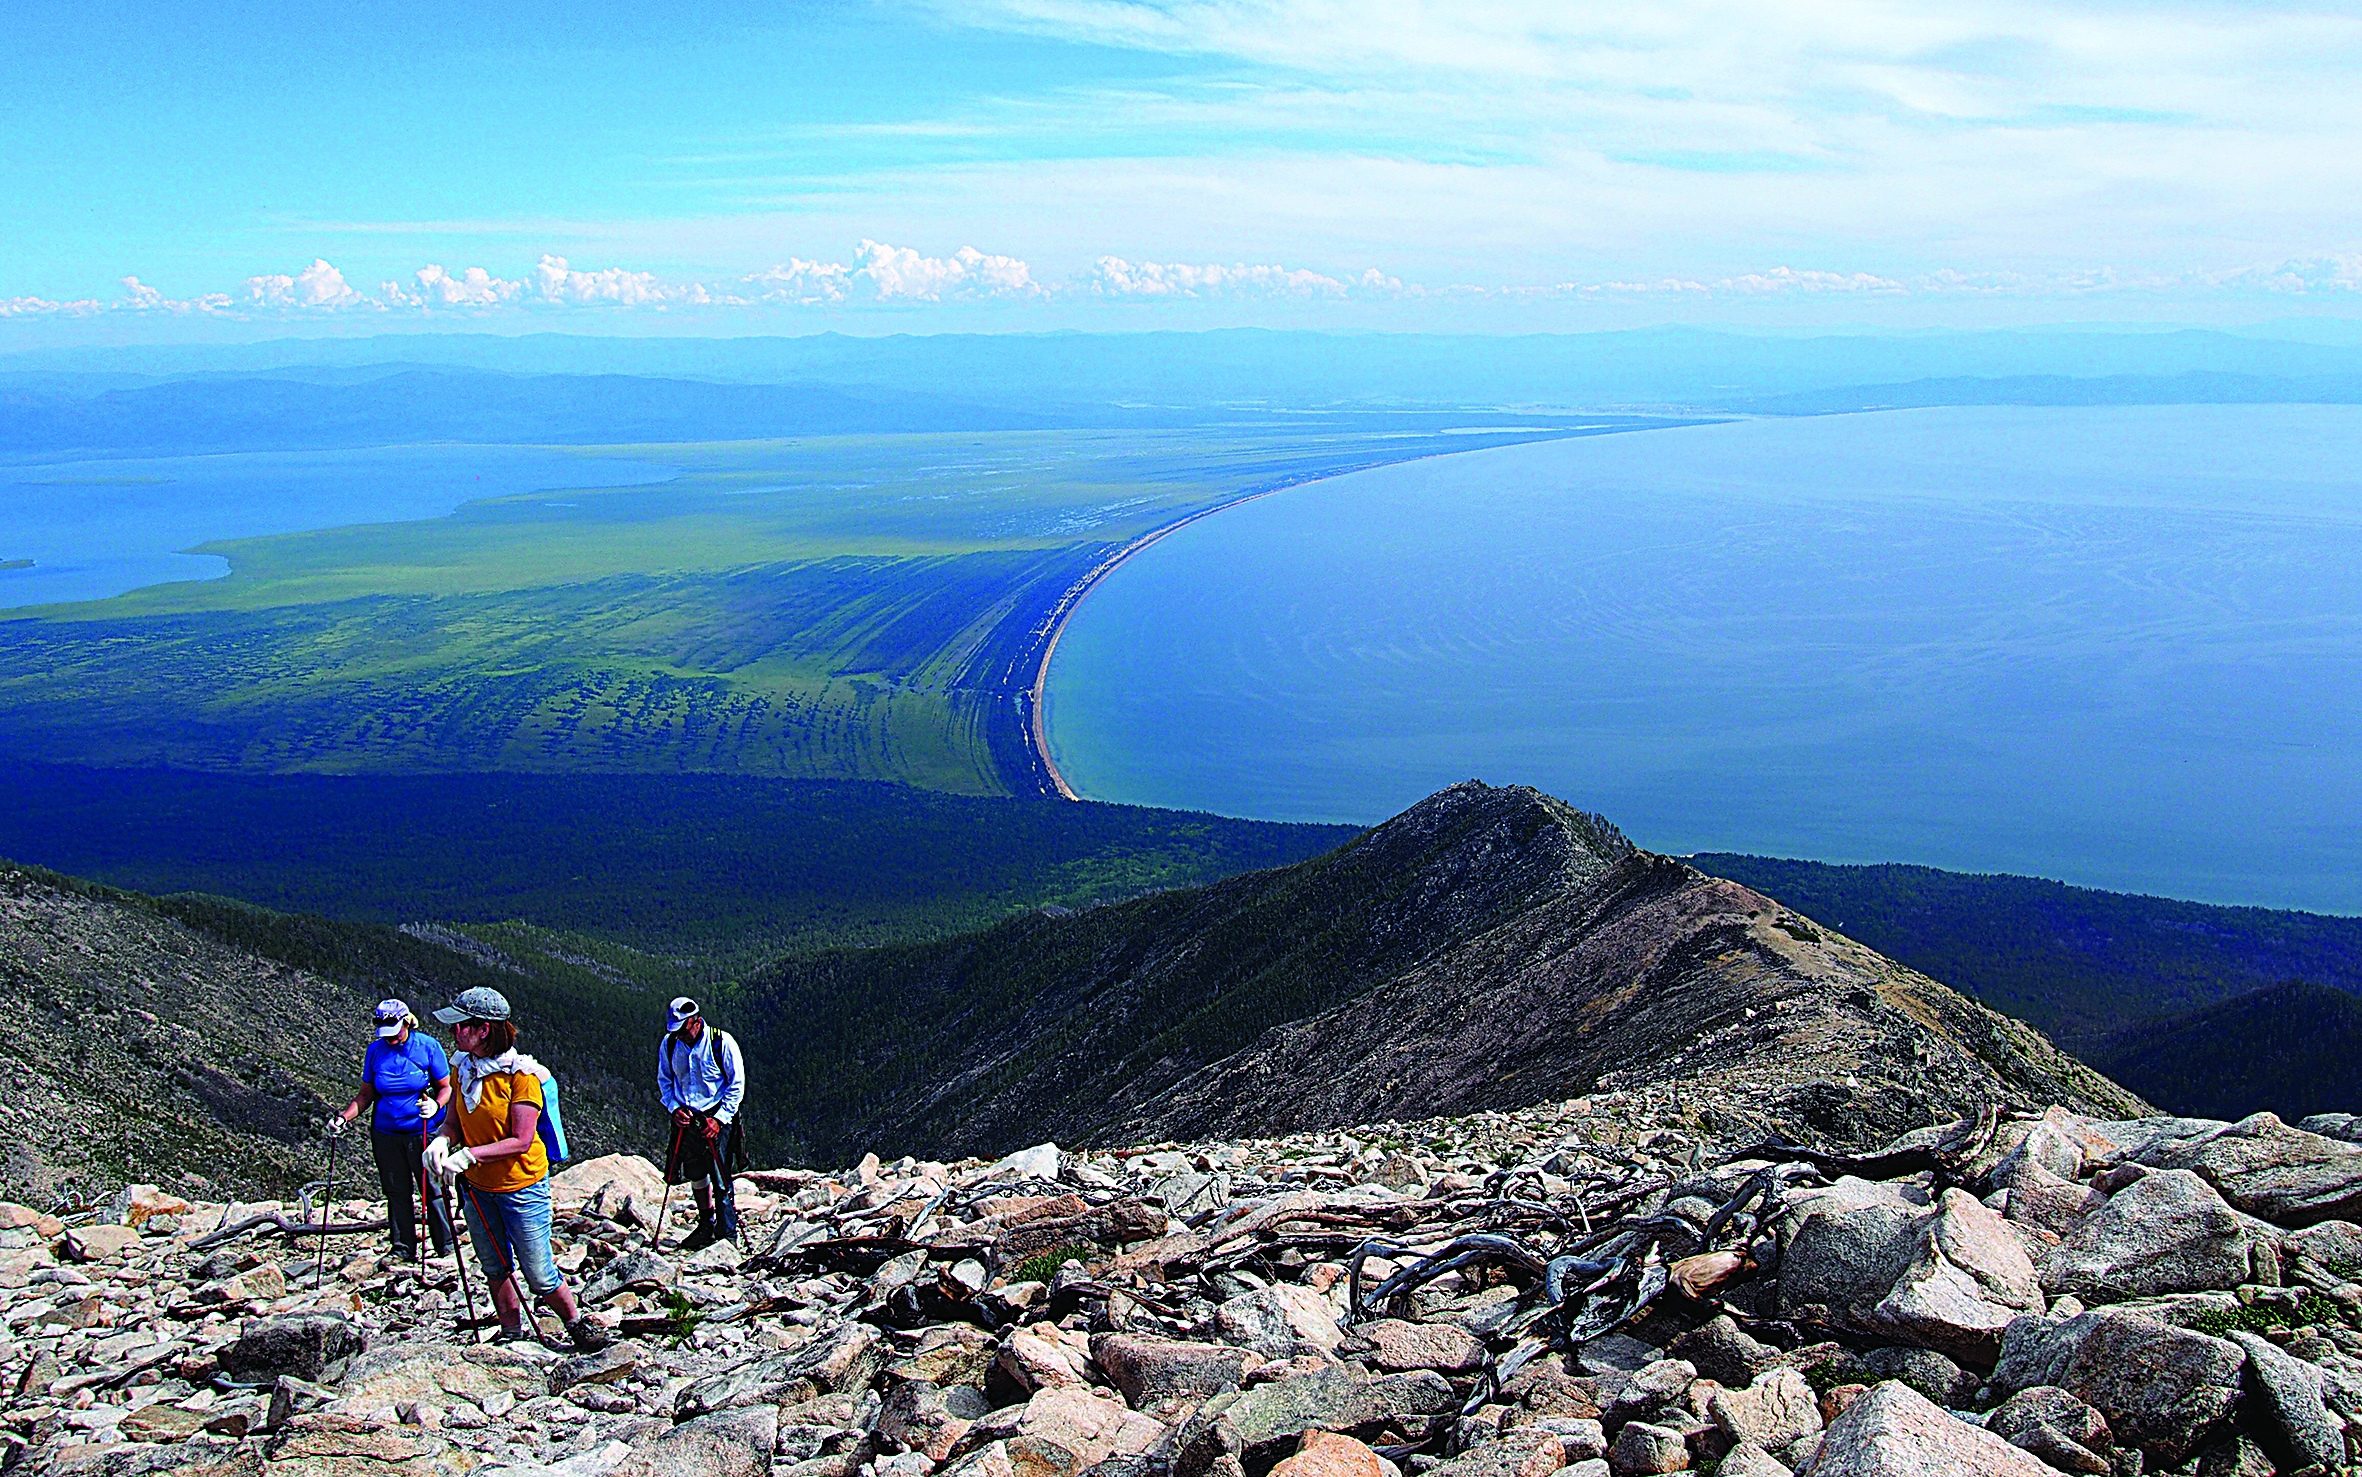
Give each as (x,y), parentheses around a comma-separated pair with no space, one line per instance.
(406,1084)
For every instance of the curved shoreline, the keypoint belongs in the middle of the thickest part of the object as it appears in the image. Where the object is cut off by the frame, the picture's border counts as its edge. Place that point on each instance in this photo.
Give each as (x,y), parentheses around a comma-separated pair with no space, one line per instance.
(1037,738)
(1031,695)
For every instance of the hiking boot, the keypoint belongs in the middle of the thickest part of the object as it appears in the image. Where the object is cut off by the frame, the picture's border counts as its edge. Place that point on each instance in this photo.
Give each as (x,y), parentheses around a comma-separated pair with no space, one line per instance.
(521,1334)
(698,1239)
(588,1336)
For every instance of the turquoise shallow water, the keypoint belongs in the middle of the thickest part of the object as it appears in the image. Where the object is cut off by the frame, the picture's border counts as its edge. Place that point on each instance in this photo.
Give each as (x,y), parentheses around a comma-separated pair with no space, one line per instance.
(2120,646)
(101,527)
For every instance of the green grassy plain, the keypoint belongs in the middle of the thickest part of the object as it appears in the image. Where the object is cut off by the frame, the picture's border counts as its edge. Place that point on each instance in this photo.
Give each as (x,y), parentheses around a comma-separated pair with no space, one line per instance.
(839,607)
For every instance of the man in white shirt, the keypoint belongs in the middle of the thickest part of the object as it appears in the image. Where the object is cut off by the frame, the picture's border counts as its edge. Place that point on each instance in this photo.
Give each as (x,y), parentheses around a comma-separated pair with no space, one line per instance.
(701,1076)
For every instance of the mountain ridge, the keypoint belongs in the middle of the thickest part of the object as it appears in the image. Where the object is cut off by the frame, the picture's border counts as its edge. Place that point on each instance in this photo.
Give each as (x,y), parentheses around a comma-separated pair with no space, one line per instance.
(1208,1010)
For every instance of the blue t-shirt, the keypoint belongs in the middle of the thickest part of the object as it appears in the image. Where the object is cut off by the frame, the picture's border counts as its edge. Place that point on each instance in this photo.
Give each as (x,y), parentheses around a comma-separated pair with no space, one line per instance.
(400,1074)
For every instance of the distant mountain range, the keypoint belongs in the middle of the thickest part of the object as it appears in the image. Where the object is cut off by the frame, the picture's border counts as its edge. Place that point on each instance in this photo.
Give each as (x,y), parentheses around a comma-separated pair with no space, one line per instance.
(2081,964)
(554,388)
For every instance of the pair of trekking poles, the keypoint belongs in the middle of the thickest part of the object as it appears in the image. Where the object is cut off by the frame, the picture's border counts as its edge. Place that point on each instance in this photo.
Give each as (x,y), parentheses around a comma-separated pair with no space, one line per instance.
(427,1200)
(716,1176)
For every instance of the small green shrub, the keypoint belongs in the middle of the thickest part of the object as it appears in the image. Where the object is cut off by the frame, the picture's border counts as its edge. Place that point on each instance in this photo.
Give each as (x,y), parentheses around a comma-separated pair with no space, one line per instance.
(681,1317)
(1042,1266)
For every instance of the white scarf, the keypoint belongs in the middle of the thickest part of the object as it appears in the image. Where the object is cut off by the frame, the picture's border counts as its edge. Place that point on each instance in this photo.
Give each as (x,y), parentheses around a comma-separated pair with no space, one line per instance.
(474,1069)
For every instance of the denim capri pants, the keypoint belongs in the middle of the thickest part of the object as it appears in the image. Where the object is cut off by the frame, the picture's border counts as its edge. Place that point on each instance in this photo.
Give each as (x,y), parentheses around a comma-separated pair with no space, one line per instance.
(510,1231)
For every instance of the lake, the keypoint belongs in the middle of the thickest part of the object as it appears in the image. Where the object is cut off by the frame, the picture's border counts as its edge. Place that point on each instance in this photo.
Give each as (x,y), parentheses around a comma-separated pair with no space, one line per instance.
(2120,646)
(101,527)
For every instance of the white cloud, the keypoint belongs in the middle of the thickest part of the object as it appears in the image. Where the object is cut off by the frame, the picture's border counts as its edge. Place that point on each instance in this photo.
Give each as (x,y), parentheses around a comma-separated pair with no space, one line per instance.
(138,297)
(30,307)
(1113,276)
(883,274)
(437,287)
(316,286)
(554,281)
(797,281)
(899,272)
(1790,280)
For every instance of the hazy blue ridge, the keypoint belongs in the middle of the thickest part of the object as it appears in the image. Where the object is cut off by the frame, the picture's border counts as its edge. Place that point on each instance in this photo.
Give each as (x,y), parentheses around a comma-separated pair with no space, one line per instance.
(2194,387)
(443,405)
(2081,964)
(1289,369)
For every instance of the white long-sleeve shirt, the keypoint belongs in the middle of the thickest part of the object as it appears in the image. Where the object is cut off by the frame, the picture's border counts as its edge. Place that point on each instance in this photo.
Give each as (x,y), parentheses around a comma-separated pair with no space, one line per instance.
(709,1077)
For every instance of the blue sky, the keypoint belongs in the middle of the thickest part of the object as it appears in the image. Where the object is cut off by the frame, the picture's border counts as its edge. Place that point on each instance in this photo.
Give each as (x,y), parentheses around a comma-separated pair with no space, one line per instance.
(237,168)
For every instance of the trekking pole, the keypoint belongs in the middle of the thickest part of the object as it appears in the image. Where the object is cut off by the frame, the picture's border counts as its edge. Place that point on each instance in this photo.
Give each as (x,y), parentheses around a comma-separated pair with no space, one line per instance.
(427,1206)
(656,1240)
(459,1258)
(327,1213)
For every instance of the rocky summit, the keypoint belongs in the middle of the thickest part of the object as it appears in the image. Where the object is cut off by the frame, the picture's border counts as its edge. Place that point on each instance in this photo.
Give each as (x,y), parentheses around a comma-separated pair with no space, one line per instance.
(1599,1287)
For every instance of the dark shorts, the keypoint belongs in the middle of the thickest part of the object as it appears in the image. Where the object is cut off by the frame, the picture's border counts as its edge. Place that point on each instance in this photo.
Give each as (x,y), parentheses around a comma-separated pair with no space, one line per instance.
(692,1160)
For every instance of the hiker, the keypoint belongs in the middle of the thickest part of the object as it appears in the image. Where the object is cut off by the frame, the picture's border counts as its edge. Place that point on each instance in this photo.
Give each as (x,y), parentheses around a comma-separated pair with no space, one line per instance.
(701,1076)
(491,1146)
(405,1085)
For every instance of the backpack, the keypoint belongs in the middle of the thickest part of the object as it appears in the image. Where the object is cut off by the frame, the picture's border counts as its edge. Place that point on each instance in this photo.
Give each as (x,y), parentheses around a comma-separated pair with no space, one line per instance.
(552,1128)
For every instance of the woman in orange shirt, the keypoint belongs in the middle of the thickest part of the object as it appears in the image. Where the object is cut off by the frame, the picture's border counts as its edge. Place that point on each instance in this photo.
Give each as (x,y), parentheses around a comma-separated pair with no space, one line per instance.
(491,1144)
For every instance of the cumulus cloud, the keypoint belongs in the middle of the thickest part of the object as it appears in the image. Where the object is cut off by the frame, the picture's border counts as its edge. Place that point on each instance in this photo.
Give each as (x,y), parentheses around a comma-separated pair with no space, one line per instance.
(799,282)
(1113,276)
(1790,280)
(557,282)
(30,307)
(437,287)
(885,274)
(138,297)
(900,272)
(316,286)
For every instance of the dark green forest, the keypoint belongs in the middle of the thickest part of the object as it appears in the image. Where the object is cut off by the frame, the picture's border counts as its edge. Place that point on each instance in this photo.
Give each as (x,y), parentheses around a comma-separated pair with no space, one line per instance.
(2293,1049)
(707,873)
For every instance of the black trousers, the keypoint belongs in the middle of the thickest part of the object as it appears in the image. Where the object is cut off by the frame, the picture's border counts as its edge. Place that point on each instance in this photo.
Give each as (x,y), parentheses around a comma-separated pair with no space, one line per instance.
(692,1161)
(401,1158)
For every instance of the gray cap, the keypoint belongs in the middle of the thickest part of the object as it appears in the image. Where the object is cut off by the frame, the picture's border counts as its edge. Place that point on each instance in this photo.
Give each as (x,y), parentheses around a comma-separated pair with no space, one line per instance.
(483,1003)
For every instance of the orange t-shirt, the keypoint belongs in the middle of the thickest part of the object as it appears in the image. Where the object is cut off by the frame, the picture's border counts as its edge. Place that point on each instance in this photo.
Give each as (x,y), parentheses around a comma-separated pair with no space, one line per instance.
(487,1123)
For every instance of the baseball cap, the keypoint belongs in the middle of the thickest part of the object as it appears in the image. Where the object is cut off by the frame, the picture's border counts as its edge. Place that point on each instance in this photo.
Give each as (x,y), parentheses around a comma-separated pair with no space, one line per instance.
(389,1016)
(680,1012)
(483,1003)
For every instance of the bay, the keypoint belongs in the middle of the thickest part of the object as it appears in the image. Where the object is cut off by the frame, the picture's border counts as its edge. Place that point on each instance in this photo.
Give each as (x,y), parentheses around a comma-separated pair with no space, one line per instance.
(99,527)
(2120,646)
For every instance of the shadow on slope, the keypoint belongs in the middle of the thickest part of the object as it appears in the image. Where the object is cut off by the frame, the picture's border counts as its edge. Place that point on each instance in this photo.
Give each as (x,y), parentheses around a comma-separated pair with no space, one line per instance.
(2294,1049)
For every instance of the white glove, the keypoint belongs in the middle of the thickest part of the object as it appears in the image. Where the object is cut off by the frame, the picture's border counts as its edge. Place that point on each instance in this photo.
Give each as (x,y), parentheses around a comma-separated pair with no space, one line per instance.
(446,1163)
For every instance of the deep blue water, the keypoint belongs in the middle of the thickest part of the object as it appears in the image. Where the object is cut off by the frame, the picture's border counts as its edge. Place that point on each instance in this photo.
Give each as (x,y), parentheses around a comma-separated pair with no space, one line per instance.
(2119,646)
(99,528)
